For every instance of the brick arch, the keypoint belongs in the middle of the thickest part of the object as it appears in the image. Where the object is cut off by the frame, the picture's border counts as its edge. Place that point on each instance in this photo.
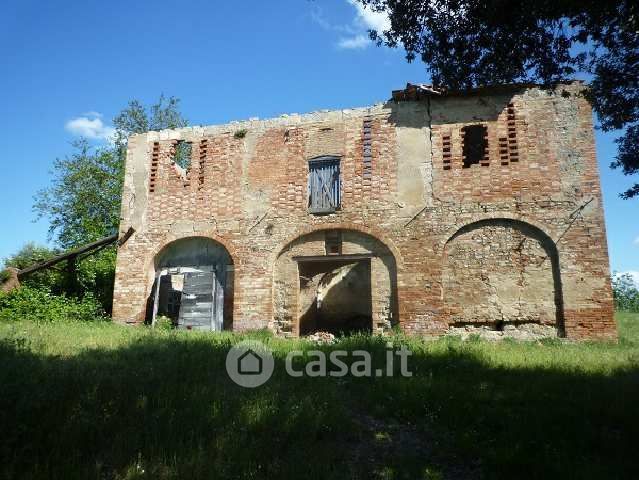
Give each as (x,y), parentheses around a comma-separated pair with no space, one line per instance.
(170,238)
(458,230)
(528,229)
(545,230)
(384,295)
(372,232)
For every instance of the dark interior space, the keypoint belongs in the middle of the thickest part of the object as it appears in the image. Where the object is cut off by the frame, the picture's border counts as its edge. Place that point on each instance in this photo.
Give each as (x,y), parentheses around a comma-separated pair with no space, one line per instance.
(193,285)
(170,296)
(475,144)
(335,296)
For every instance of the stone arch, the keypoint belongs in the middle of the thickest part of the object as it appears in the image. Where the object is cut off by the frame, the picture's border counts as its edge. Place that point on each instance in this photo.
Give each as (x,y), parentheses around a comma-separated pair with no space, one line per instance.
(543,228)
(502,273)
(172,237)
(306,278)
(189,257)
(370,231)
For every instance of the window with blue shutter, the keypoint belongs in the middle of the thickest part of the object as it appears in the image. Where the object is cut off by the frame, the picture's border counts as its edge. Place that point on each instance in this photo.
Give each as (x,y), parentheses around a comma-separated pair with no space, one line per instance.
(324,184)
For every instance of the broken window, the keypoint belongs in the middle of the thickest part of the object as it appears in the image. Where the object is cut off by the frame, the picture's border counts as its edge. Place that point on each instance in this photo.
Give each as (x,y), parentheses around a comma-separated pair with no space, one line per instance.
(182,155)
(475,144)
(333,242)
(323,184)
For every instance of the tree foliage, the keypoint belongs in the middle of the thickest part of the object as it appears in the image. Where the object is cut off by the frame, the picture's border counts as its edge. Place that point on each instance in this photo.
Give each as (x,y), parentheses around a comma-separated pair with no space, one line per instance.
(625,292)
(39,305)
(82,203)
(31,254)
(468,43)
(94,273)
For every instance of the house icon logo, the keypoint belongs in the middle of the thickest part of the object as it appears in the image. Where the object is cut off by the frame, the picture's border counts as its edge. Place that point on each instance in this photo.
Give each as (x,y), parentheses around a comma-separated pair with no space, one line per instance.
(250,363)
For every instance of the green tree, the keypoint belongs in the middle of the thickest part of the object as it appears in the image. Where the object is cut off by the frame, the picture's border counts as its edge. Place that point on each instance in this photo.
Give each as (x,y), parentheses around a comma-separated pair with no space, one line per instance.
(31,253)
(469,43)
(82,203)
(94,273)
(625,292)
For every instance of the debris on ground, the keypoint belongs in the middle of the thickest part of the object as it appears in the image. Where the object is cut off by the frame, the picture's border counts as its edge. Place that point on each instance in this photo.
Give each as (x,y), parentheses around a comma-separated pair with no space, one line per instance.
(322,337)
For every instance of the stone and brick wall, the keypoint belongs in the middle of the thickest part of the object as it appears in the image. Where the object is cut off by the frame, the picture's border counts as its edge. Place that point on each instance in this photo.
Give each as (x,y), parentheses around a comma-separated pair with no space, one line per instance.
(517,237)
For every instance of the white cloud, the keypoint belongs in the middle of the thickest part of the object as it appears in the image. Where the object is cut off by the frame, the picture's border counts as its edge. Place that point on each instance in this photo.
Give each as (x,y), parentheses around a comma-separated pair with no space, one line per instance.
(633,273)
(636,241)
(353,43)
(369,19)
(365,19)
(90,125)
(317,15)
(354,36)
(92,113)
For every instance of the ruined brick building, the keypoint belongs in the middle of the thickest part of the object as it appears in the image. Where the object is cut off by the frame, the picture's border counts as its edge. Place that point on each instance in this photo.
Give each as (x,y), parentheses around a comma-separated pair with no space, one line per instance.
(431,212)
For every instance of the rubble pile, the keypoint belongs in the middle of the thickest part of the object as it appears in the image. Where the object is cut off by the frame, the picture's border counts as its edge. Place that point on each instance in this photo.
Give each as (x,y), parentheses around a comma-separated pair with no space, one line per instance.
(322,337)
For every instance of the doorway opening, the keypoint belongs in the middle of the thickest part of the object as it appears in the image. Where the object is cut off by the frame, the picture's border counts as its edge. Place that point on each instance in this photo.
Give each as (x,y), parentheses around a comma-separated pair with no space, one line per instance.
(335,295)
(192,286)
(352,274)
(192,297)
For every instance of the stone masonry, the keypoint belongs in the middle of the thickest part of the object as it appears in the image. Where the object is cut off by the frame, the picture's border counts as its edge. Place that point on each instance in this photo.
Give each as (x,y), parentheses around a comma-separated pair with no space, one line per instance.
(472,210)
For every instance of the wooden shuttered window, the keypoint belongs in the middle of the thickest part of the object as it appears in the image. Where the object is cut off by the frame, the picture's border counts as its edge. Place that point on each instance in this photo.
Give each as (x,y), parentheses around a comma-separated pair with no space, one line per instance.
(324,186)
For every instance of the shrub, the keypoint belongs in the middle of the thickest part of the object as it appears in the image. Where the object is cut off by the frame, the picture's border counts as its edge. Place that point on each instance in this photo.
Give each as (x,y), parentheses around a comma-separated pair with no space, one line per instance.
(95,273)
(163,323)
(4,275)
(625,292)
(27,303)
(31,254)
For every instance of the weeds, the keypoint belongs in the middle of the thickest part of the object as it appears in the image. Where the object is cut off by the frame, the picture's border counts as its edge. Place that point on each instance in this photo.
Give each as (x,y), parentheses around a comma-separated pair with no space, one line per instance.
(27,303)
(97,400)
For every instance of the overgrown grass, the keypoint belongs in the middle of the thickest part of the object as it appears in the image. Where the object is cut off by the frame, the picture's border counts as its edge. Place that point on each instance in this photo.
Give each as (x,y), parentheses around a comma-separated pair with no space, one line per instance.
(97,400)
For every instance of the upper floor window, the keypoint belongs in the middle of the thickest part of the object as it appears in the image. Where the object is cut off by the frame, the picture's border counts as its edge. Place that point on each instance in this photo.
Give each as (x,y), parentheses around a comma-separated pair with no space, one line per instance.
(475,145)
(324,184)
(182,154)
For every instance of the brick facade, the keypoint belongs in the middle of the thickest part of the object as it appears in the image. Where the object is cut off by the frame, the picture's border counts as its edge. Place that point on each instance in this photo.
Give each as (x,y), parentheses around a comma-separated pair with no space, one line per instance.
(517,237)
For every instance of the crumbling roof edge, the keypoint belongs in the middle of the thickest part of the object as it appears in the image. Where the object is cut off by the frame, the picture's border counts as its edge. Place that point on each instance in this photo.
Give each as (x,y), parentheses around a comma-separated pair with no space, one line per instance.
(419,91)
(416,91)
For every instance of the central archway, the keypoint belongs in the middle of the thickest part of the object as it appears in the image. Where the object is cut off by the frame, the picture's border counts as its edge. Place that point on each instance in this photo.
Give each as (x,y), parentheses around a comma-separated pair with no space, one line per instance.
(336,280)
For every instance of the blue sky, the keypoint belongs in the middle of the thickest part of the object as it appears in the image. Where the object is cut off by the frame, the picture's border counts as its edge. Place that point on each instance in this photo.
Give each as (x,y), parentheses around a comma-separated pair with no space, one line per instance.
(68,67)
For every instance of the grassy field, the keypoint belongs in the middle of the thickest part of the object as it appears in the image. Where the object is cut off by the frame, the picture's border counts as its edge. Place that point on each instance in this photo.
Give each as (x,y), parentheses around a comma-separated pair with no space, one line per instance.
(101,401)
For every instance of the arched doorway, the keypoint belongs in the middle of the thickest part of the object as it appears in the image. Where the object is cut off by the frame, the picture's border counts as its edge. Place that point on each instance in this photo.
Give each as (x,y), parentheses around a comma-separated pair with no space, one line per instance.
(335,280)
(502,274)
(193,284)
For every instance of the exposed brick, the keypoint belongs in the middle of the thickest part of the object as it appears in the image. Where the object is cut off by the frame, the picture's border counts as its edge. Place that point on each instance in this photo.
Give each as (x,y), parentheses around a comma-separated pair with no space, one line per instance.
(517,237)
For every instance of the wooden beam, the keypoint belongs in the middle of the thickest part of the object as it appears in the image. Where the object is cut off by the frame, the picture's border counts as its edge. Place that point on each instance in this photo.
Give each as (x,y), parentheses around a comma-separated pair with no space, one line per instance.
(77,251)
(126,236)
(334,258)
